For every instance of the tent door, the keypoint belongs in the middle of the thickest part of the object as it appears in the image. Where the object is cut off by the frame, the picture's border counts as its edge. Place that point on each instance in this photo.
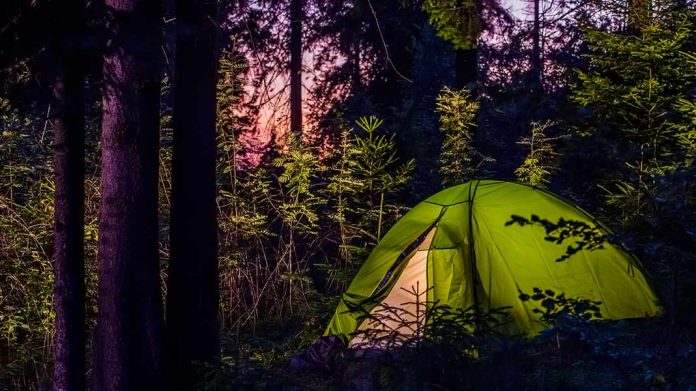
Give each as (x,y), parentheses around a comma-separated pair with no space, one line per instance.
(401,314)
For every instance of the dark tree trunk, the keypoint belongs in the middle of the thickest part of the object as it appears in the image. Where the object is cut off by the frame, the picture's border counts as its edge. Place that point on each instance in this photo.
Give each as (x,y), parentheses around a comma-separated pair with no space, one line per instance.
(537,62)
(296,19)
(69,167)
(466,69)
(356,77)
(128,337)
(466,66)
(192,294)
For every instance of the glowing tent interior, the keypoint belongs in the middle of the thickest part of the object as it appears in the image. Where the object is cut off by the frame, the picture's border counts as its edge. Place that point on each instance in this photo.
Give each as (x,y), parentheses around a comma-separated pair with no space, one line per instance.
(487,241)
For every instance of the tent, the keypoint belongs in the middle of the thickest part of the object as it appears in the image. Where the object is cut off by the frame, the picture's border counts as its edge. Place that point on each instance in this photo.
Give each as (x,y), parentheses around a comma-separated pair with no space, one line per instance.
(488,241)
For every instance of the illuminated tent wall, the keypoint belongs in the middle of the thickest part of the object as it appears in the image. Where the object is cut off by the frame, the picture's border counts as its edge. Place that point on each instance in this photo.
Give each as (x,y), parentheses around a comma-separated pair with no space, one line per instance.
(462,245)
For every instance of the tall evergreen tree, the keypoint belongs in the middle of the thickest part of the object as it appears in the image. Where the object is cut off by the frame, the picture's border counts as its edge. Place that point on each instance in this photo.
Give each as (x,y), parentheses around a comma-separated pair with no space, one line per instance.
(192,294)
(459,21)
(128,335)
(638,14)
(537,64)
(296,21)
(23,35)
(69,168)
(466,67)
(632,88)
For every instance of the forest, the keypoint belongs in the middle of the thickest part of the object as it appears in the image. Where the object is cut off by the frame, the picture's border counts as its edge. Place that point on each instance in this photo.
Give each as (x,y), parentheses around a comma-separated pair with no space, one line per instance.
(189,189)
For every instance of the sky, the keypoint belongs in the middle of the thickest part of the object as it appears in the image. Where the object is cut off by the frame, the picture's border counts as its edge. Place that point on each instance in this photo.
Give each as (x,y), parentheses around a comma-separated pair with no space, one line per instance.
(273,121)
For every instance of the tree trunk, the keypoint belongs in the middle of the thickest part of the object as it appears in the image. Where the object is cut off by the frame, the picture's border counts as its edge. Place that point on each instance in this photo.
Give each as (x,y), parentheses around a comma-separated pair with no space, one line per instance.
(69,167)
(537,62)
(128,336)
(356,77)
(466,65)
(296,19)
(192,294)
(466,69)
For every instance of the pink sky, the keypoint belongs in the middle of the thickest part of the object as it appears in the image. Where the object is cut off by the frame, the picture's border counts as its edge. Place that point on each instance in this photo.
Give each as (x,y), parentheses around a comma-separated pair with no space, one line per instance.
(274,115)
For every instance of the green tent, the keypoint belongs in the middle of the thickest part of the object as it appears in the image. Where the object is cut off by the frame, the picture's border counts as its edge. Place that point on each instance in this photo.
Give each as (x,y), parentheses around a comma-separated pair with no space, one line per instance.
(487,241)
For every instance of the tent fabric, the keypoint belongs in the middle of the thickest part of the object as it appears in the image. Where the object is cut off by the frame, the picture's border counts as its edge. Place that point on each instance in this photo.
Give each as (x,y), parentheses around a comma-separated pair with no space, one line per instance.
(408,293)
(476,254)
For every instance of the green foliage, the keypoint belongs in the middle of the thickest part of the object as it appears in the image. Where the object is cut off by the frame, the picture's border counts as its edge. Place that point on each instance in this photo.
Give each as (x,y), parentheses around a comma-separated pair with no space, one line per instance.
(240,199)
(685,130)
(457,21)
(230,69)
(538,165)
(26,274)
(292,198)
(302,223)
(297,204)
(426,344)
(277,221)
(667,239)
(259,361)
(361,188)
(636,93)
(419,322)
(634,80)
(375,165)
(637,98)
(459,159)
(344,185)
(264,210)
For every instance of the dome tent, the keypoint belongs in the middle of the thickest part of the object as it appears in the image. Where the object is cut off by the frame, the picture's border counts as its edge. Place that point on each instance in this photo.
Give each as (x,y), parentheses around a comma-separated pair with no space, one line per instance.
(487,241)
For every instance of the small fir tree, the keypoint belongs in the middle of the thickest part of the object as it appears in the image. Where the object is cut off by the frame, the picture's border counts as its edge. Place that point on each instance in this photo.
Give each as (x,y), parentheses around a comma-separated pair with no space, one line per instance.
(459,159)
(362,184)
(539,163)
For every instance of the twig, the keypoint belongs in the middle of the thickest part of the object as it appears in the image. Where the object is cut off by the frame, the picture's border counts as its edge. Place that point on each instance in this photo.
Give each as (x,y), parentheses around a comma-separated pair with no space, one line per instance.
(384,43)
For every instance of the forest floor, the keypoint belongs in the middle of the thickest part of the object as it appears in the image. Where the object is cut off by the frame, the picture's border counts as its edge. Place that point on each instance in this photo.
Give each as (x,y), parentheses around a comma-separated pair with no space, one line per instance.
(629,355)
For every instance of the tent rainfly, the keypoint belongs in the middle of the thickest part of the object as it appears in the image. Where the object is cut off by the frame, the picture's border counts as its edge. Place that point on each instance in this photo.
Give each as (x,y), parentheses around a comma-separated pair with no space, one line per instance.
(470,243)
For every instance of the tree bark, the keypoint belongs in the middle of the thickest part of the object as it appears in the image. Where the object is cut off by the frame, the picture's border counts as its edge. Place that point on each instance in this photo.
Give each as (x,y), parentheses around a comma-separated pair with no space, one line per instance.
(69,167)
(466,68)
(128,337)
(192,294)
(296,18)
(537,62)
(356,77)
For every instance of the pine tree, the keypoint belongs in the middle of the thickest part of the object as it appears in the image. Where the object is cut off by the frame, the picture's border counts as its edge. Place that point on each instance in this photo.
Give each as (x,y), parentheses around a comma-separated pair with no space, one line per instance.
(361,187)
(192,291)
(128,339)
(459,159)
(636,96)
(634,91)
(538,165)
(296,22)
(69,168)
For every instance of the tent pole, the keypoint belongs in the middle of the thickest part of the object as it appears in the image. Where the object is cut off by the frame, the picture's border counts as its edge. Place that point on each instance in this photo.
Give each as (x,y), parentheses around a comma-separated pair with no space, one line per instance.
(472,255)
